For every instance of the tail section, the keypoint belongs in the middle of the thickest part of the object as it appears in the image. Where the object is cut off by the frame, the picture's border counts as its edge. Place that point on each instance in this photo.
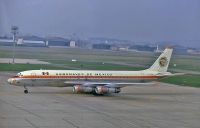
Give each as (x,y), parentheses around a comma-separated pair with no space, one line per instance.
(162,63)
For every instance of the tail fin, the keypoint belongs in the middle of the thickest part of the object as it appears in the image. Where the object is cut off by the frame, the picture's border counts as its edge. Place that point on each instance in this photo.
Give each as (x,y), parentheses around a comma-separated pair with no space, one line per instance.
(162,63)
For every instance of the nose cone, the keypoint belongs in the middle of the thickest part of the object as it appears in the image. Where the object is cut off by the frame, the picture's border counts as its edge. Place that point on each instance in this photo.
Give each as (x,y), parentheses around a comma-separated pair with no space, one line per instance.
(9,80)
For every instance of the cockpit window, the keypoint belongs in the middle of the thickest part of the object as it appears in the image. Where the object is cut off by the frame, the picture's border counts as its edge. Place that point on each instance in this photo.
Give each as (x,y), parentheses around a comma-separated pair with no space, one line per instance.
(19,74)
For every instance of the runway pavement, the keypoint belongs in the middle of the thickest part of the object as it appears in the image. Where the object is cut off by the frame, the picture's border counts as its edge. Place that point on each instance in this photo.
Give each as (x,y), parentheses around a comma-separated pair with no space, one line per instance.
(158,106)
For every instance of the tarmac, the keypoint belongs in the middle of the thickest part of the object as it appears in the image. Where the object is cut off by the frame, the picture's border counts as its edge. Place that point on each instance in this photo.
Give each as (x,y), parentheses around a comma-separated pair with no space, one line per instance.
(155,106)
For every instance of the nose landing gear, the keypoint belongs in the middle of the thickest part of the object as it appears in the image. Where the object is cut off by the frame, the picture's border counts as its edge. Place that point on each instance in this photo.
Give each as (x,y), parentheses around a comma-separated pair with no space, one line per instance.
(26,90)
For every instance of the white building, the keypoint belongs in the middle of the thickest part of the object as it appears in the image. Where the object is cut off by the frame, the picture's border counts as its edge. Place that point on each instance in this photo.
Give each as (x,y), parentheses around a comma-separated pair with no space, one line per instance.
(72,44)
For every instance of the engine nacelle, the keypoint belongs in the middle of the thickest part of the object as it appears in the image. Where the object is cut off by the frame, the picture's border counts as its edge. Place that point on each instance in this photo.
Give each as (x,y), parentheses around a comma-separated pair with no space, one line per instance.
(79,89)
(104,90)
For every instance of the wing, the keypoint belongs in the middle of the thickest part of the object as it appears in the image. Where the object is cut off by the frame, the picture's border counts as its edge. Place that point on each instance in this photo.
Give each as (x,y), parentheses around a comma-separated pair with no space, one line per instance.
(107,84)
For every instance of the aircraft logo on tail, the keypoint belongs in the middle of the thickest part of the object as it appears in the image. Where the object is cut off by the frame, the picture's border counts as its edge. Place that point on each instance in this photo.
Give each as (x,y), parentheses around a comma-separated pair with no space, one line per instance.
(163,61)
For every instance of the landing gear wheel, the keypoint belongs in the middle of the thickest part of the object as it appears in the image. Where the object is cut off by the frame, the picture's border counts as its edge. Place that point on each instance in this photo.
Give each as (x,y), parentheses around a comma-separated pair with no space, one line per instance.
(25,91)
(95,94)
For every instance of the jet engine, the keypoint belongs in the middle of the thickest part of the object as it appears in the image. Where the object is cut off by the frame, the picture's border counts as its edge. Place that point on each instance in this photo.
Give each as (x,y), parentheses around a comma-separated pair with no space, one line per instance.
(104,90)
(79,89)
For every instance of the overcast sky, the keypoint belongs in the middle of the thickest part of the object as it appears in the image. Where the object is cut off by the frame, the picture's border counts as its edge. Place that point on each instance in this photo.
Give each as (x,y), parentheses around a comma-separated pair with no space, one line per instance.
(137,20)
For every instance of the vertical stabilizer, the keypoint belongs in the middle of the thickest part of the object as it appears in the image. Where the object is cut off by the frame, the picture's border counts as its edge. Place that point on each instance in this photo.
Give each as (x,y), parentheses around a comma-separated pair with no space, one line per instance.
(162,63)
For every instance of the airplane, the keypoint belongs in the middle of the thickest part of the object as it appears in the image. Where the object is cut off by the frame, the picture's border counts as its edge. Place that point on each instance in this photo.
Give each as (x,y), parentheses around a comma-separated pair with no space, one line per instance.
(94,81)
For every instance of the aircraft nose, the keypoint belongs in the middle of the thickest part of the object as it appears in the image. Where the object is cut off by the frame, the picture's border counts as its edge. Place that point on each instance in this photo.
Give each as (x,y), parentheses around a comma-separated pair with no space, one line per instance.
(11,81)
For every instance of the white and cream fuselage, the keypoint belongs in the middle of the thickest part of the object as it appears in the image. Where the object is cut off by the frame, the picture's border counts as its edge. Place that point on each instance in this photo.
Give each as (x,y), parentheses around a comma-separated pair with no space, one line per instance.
(64,78)
(96,81)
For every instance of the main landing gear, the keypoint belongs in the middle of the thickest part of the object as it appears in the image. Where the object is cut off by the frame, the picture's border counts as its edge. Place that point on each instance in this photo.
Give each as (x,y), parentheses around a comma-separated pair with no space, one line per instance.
(25,90)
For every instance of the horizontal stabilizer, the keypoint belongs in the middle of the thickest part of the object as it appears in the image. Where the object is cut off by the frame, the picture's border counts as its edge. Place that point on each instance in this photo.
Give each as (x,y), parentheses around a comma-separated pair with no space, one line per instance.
(177,74)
